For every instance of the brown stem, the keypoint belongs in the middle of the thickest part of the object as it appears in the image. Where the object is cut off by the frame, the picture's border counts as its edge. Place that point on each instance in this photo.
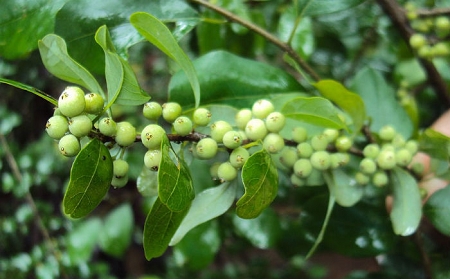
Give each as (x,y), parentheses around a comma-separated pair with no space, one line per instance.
(433,12)
(271,38)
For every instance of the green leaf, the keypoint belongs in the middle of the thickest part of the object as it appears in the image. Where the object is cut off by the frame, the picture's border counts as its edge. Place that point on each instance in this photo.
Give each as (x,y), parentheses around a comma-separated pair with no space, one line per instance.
(410,71)
(381,105)
(343,187)
(115,237)
(302,39)
(437,210)
(207,205)
(435,144)
(147,182)
(407,206)
(263,231)
(175,188)
(158,34)
(314,110)
(320,7)
(345,99)
(82,240)
(23,23)
(57,61)
(260,179)
(30,89)
(160,226)
(229,79)
(90,178)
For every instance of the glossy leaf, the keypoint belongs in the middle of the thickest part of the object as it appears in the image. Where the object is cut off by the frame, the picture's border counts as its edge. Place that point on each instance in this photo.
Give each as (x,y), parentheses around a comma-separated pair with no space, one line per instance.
(313,110)
(23,23)
(158,34)
(175,188)
(406,206)
(229,79)
(90,179)
(345,99)
(260,179)
(147,182)
(410,71)
(115,237)
(57,61)
(436,144)
(381,105)
(82,240)
(30,89)
(160,226)
(207,205)
(437,210)
(298,30)
(320,7)
(343,187)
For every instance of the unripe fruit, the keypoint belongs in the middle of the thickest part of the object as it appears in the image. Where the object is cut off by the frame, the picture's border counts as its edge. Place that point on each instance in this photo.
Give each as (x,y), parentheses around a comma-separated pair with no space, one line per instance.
(232,139)
(182,126)
(398,141)
(304,150)
(299,134)
(331,134)
(218,130)
(418,168)
(386,159)
(119,182)
(371,150)
(94,103)
(206,148)
(69,145)
(71,101)
(80,125)
(273,143)
(201,117)
(361,178)
(57,126)
(256,129)
(343,143)
(380,179)
(152,110)
(319,142)
(367,166)
(126,134)
(425,51)
(238,157)
(152,159)
(170,111)
(120,168)
(417,41)
(339,159)
(442,24)
(152,135)
(107,126)
(403,157)
(297,181)
(387,133)
(321,160)
(288,156)
(226,172)
(440,49)
(242,118)
(412,146)
(213,170)
(275,122)
(262,108)
(387,147)
(303,168)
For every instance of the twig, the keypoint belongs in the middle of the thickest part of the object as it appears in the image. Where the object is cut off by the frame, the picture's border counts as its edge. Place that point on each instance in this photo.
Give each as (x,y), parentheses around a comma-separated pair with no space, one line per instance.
(433,12)
(271,38)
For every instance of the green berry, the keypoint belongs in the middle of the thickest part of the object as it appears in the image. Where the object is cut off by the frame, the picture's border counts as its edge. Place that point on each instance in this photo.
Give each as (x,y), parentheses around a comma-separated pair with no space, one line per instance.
(275,121)
(232,139)
(288,156)
(339,159)
(303,168)
(425,51)
(297,181)
(242,118)
(386,159)
(442,24)
(262,108)
(304,150)
(398,141)
(57,126)
(273,143)
(152,135)
(219,129)
(368,166)
(126,134)
(321,160)
(201,117)
(107,126)
(71,101)
(319,142)
(388,147)
(94,103)
(343,143)
(387,133)
(361,178)
(152,159)
(152,110)
(182,126)
(412,146)
(380,179)
(331,134)
(80,125)
(256,129)
(371,150)
(120,168)
(417,41)
(213,170)
(299,134)
(238,157)
(69,145)
(170,111)
(440,49)
(226,172)
(119,182)
(403,157)
(206,148)
(418,168)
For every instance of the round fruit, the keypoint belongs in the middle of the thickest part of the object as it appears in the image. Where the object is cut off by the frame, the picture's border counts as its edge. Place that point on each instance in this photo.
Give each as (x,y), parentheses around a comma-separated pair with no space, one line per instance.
(371,150)
(321,160)
(57,126)
(412,146)
(262,108)
(107,127)
(170,111)
(243,117)
(206,148)
(331,134)
(403,157)
(303,168)
(319,142)
(152,110)
(71,101)
(417,41)
(387,133)
(126,134)
(213,170)
(386,159)
(80,125)
(304,150)
(238,157)
(201,117)
(256,129)
(232,139)
(288,156)
(343,143)
(218,130)
(273,143)
(69,145)
(442,24)
(361,178)
(275,121)
(119,182)
(152,159)
(339,159)
(297,181)
(226,172)
(380,179)
(120,168)
(182,126)
(368,166)
(94,103)
(152,135)
(299,134)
